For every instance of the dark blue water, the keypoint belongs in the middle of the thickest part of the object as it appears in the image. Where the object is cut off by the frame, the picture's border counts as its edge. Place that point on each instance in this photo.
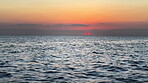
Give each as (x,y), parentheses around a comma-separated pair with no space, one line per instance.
(73,59)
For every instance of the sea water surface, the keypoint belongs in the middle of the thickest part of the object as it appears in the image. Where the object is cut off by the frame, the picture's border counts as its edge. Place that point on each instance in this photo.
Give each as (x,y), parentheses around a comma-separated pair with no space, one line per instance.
(73,59)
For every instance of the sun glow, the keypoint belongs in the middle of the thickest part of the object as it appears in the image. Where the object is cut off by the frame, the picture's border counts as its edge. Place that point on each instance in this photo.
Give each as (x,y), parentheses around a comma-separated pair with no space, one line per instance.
(87,33)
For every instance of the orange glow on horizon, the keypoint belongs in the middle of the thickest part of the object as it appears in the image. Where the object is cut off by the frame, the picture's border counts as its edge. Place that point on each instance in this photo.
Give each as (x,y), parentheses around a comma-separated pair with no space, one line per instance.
(73,12)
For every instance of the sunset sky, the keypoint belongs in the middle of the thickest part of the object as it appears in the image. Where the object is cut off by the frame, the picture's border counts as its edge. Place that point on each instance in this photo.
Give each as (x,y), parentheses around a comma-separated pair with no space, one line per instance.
(74,14)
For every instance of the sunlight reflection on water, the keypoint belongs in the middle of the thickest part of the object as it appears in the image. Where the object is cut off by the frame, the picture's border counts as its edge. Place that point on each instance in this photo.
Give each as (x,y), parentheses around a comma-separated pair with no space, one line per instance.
(73,59)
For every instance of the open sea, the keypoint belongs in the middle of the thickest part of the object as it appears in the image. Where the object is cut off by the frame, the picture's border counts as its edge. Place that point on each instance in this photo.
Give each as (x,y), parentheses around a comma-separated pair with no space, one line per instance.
(73,59)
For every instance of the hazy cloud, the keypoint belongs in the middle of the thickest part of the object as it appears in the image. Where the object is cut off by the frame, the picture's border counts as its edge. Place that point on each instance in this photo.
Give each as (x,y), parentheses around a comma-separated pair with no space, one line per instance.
(49,25)
(79,25)
(107,29)
(122,32)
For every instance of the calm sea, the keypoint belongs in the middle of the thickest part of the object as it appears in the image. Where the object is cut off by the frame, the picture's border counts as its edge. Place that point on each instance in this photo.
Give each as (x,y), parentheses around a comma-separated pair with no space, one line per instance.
(73,59)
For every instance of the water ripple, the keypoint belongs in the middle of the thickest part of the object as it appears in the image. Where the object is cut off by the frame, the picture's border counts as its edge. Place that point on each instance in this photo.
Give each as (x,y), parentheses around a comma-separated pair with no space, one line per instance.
(73,59)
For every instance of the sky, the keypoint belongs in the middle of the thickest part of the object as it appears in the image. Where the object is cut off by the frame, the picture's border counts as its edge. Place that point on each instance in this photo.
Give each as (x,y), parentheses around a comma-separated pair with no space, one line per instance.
(72,15)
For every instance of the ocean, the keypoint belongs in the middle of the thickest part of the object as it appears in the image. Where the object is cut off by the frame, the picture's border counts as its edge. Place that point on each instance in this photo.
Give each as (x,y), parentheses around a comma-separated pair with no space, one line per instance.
(73,59)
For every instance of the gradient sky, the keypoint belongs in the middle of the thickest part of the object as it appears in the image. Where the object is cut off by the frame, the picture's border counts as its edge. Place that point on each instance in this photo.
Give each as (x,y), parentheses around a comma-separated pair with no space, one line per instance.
(74,14)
